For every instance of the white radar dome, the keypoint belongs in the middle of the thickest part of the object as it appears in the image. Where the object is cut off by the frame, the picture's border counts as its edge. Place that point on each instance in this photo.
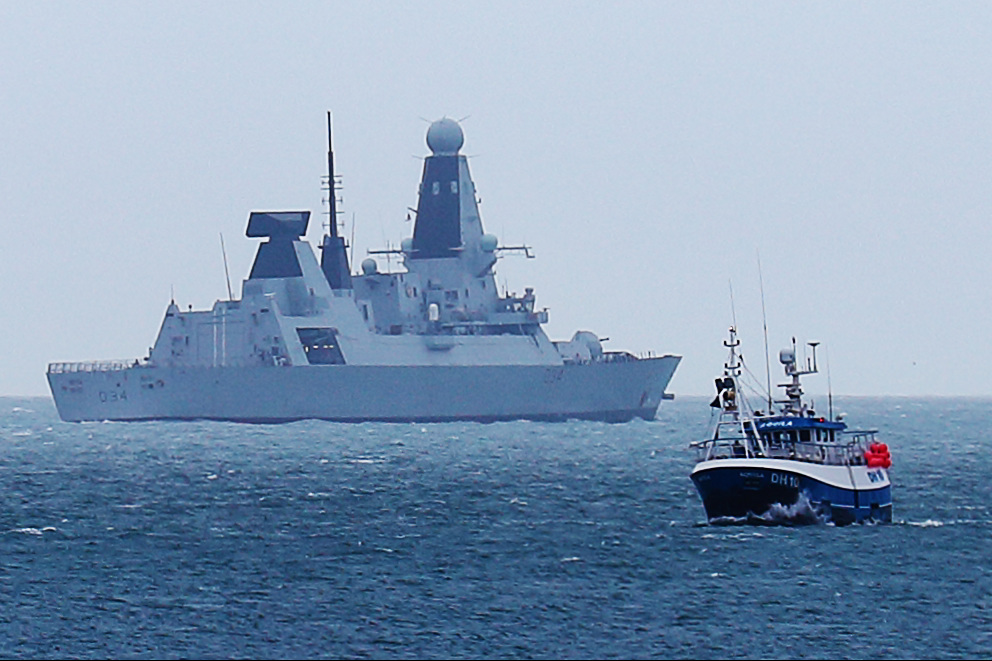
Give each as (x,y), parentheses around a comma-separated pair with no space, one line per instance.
(369,266)
(445,137)
(488,242)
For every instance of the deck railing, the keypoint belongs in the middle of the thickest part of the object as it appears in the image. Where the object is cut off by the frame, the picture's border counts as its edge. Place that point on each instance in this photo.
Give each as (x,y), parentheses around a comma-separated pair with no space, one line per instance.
(849,448)
(92,366)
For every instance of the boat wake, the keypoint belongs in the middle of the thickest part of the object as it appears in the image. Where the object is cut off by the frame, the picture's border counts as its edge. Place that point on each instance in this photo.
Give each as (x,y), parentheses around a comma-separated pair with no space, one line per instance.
(800,513)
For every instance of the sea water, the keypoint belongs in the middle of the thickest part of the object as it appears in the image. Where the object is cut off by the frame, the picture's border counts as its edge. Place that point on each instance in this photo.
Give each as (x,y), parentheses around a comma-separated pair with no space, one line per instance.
(462,540)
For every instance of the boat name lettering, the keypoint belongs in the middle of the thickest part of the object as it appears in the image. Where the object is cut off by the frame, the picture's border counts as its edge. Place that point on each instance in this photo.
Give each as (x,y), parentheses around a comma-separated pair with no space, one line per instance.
(875,476)
(785,479)
(776,423)
(113,395)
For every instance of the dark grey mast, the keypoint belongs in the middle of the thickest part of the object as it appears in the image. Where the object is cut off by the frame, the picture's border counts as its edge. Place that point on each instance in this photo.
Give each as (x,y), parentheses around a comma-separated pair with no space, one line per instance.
(334,256)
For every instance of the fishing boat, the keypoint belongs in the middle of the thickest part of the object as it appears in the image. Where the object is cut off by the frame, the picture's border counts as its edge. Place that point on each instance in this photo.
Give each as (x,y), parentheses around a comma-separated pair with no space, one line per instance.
(788,464)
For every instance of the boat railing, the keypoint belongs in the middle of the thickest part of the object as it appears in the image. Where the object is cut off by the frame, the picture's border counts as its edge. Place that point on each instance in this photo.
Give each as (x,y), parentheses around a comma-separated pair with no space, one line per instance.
(92,366)
(849,449)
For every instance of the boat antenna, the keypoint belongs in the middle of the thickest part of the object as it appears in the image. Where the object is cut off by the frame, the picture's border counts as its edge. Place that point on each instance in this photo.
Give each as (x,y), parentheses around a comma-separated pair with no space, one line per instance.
(830,390)
(764,323)
(733,308)
(227,274)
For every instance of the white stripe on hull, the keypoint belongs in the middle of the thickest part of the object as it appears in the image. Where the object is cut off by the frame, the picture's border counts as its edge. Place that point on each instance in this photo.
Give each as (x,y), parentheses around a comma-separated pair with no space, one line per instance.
(836,476)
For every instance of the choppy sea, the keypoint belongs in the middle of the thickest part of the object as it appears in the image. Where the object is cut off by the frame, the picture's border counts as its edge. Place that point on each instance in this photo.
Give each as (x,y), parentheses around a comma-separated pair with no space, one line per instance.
(508,540)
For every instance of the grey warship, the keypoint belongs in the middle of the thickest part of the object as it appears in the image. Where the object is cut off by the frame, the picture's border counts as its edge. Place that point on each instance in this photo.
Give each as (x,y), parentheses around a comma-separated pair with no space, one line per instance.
(434,341)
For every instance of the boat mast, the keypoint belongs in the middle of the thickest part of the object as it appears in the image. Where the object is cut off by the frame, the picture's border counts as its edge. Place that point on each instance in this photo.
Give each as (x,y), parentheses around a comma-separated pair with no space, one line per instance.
(730,397)
(794,391)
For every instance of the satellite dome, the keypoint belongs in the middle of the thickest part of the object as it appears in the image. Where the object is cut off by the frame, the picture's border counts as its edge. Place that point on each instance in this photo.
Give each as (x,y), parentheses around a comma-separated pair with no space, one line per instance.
(488,243)
(369,266)
(445,137)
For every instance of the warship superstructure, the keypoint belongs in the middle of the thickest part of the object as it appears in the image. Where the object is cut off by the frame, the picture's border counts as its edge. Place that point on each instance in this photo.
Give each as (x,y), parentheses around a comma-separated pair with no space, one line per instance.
(434,341)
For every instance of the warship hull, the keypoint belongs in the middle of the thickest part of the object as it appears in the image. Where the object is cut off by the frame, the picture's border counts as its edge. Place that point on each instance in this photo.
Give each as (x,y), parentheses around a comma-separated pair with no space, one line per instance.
(606,391)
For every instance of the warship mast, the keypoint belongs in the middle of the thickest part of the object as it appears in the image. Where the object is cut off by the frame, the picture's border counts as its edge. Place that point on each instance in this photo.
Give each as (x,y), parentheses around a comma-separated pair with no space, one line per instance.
(334,256)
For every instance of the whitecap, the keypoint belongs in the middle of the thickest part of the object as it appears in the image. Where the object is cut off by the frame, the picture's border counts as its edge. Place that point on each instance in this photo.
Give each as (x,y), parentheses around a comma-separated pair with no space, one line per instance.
(573,558)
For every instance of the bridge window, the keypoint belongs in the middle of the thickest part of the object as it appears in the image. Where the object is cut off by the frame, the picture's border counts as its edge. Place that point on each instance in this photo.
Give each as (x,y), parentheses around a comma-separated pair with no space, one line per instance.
(321,346)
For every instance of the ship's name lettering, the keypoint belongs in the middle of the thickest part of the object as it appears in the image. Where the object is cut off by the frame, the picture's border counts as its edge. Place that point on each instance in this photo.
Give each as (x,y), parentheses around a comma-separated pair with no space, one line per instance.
(776,423)
(109,396)
(874,476)
(785,479)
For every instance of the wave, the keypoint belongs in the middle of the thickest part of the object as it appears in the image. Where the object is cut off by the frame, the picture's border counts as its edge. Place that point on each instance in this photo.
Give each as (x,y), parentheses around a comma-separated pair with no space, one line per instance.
(800,513)
(33,531)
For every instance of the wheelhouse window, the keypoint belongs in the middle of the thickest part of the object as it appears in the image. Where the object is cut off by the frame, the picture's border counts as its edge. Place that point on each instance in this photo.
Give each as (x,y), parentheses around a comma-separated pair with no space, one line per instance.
(321,346)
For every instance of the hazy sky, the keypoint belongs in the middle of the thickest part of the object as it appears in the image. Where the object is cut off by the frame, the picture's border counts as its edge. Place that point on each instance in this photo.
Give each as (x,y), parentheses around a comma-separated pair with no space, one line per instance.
(650,152)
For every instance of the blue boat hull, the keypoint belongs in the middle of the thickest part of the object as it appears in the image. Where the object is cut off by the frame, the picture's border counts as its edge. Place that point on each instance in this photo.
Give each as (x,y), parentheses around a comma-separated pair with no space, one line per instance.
(792,492)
